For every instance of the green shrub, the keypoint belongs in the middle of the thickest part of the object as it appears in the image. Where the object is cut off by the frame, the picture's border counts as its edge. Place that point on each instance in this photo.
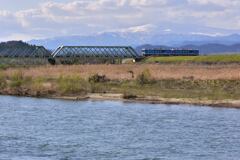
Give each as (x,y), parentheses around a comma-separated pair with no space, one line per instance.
(72,84)
(37,84)
(3,66)
(17,79)
(3,81)
(144,77)
(99,88)
(96,78)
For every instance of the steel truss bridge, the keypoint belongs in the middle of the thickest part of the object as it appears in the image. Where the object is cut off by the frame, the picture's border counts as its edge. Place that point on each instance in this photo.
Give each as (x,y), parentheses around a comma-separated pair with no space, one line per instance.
(110,52)
(67,54)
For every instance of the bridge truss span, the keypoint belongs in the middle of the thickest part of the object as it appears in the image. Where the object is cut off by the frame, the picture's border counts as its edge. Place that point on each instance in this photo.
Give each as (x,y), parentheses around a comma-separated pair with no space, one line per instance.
(110,52)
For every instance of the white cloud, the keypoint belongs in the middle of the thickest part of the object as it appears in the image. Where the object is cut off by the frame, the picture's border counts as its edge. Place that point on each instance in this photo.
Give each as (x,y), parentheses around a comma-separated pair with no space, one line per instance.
(92,16)
(225,3)
(167,30)
(20,36)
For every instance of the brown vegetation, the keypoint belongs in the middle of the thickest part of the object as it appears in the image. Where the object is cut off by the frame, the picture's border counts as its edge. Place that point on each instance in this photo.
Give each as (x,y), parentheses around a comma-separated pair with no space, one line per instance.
(121,72)
(146,81)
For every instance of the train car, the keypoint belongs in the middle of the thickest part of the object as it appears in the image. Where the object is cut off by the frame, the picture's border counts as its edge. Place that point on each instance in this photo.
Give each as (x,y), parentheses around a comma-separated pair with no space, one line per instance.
(170,52)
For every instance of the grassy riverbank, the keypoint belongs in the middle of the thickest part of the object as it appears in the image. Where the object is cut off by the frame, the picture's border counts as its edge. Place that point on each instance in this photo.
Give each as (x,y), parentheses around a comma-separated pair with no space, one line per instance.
(138,82)
(210,59)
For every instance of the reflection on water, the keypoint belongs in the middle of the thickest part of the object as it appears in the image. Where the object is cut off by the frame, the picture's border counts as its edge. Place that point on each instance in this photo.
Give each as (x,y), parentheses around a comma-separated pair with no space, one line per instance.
(41,129)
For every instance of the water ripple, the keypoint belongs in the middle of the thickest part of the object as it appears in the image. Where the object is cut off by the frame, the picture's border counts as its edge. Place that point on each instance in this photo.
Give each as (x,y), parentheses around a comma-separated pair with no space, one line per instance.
(41,129)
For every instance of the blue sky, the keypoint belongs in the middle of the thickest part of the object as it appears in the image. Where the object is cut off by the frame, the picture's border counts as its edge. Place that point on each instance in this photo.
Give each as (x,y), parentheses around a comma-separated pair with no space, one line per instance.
(33,19)
(16,5)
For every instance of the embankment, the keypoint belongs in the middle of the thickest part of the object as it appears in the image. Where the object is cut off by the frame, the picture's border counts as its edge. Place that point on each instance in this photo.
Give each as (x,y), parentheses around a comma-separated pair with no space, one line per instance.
(214,85)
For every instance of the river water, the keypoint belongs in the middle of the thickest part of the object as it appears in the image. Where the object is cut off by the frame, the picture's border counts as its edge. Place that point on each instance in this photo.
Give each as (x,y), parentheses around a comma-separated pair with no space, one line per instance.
(42,129)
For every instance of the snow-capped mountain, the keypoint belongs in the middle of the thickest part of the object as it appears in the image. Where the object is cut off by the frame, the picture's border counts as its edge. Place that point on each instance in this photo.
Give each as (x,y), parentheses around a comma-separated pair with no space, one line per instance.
(137,38)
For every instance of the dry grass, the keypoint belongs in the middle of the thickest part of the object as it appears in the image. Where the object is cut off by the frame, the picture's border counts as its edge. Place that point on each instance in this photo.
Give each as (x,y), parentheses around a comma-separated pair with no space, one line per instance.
(213,82)
(123,72)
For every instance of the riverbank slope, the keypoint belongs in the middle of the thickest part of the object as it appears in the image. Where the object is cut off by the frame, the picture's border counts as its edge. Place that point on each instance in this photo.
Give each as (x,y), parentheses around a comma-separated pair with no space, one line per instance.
(215,85)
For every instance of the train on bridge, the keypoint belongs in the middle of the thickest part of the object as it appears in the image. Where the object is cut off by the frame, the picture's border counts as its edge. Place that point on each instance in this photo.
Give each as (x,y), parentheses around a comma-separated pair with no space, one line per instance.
(169,52)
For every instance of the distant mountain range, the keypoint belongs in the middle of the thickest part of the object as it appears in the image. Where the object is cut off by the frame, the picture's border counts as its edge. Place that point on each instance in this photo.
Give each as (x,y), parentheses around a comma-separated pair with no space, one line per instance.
(205,43)
(136,39)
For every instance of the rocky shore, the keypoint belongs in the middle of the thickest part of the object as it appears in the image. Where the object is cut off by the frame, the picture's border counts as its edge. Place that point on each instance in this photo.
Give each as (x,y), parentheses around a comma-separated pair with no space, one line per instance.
(228,103)
(157,100)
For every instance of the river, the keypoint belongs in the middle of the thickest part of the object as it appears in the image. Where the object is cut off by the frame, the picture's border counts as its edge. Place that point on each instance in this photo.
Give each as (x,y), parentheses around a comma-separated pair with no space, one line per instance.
(43,129)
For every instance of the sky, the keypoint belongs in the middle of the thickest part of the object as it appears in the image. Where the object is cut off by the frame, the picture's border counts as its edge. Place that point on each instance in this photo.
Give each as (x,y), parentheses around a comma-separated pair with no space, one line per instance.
(39,19)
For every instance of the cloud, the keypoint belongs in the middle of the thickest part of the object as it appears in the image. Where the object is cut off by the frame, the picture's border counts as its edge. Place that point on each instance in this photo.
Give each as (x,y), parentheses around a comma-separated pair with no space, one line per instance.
(225,3)
(83,17)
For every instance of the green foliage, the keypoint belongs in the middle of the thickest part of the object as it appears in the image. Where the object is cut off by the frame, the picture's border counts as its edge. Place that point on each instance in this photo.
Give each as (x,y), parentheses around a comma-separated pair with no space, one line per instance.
(96,78)
(72,84)
(98,83)
(17,79)
(144,77)
(3,66)
(3,81)
(37,83)
(99,88)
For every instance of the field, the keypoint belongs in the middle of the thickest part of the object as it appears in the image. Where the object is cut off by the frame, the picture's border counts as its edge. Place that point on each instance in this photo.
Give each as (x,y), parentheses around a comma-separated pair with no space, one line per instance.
(212,59)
